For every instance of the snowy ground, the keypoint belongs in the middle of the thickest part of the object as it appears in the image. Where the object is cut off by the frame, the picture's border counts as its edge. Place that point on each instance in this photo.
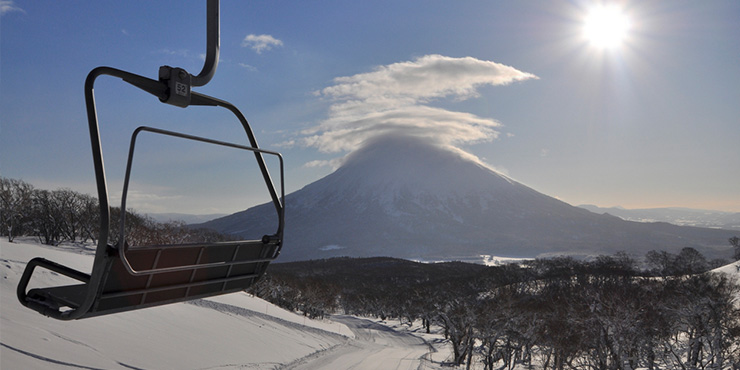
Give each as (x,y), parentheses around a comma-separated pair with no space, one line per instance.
(234,331)
(380,345)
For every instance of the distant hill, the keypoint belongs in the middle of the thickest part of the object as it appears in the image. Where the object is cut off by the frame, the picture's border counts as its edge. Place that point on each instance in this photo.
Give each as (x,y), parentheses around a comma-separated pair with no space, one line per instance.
(406,198)
(186,218)
(376,270)
(676,216)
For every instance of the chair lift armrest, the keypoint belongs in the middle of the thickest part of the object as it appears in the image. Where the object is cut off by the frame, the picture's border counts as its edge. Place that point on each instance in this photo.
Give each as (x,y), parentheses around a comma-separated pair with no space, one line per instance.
(50,265)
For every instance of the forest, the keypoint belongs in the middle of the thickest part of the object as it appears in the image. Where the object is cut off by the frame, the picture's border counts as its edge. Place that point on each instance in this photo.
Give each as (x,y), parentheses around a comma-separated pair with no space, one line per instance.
(664,310)
(557,313)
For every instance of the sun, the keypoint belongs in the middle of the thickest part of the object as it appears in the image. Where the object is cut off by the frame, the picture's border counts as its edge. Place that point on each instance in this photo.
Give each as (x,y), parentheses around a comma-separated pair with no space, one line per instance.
(606,26)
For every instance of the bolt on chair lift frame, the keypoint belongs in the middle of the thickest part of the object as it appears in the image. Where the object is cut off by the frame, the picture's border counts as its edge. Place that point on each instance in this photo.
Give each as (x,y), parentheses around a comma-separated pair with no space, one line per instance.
(125,279)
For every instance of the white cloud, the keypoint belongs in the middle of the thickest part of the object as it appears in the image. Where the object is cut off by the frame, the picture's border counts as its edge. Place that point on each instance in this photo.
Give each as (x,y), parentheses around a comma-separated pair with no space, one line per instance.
(248,67)
(7,6)
(428,77)
(260,43)
(397,99)
(331,163)
(184,53)
(346,131)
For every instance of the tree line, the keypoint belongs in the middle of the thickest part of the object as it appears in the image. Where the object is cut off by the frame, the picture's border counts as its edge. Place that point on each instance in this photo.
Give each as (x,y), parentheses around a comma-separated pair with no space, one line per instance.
(55,216)
(561,313)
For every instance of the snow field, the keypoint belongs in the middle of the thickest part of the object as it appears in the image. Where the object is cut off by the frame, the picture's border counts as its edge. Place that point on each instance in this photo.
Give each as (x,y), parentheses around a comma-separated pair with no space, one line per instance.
(231,331)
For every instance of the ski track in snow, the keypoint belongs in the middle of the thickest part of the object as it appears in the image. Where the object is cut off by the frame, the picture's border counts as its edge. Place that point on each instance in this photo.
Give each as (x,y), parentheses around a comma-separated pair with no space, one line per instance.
(62,363)
(48,360)
(373,341)
(240,311)
(376,347)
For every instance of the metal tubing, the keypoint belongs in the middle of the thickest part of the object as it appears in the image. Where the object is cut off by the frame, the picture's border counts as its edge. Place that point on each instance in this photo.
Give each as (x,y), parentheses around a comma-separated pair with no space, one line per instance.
(213,41)
(44,309)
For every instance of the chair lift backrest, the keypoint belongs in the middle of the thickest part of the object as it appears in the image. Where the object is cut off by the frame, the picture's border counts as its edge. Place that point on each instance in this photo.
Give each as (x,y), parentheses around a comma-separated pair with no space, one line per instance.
(124,279)
(184,263)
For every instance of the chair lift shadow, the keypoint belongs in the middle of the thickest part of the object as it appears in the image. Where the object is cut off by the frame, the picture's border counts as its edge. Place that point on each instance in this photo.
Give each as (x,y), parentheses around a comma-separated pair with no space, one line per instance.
(125,278)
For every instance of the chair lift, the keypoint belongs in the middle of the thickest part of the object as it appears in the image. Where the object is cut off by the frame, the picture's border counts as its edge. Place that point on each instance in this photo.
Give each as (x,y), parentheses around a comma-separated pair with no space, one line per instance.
(125,278)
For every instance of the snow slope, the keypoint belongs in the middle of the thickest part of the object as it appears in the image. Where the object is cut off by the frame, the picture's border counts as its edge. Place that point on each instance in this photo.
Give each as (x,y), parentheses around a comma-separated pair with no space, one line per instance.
(233,331)
(731,269)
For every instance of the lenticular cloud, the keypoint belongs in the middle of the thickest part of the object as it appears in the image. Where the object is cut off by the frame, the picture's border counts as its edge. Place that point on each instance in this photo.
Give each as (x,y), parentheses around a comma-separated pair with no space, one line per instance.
(431,76)
(399,99)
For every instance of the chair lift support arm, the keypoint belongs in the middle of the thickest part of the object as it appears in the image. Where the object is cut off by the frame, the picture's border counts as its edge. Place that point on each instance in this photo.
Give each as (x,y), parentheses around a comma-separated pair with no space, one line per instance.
(178,81)
(213,42)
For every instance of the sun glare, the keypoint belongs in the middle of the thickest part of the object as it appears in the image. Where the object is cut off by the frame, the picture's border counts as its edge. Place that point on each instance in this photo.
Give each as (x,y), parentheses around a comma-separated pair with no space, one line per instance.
(606,27)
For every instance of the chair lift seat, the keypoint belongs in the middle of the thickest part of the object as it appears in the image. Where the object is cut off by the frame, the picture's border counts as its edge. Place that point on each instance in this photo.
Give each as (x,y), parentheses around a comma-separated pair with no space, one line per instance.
(127,278)
(213,268)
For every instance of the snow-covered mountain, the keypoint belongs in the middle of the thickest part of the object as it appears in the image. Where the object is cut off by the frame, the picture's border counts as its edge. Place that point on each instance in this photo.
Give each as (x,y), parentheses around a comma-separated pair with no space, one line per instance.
(407,198)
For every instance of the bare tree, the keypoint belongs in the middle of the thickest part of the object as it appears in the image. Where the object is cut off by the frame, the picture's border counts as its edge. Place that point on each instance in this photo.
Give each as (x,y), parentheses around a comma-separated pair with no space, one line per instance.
(735,242)
(69,206)
(660,262)
(89,218)
(15,205)
(689,261)
(46,217)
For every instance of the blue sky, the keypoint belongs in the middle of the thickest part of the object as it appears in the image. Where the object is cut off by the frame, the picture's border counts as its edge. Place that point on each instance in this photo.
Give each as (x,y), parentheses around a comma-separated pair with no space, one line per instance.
(652,122)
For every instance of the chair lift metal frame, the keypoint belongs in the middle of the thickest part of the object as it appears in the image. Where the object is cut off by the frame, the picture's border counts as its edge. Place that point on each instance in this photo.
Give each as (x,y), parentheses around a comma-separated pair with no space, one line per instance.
(125,279)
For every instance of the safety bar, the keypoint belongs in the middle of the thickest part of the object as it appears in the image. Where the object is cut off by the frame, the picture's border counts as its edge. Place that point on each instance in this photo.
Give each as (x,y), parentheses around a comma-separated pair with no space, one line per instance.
(122,236)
